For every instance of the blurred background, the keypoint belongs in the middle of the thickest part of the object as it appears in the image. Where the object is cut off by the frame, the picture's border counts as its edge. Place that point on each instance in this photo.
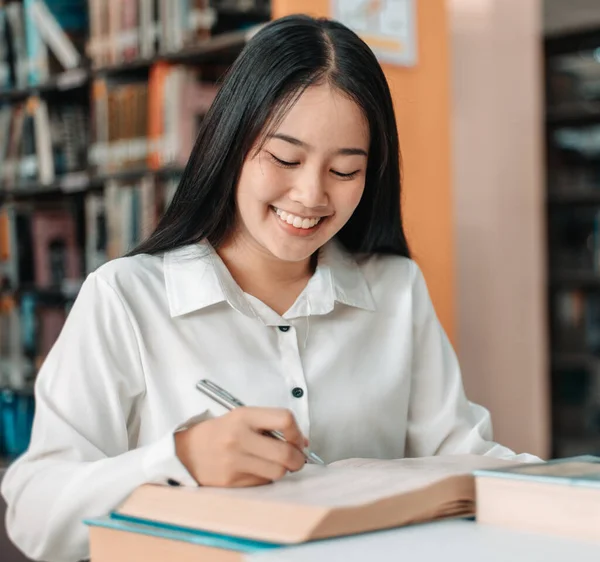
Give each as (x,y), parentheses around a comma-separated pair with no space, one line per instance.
(498,110)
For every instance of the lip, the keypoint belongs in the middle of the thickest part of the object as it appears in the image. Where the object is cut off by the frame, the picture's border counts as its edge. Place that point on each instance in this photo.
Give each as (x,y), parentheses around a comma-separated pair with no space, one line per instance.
(299,232)
(298,214)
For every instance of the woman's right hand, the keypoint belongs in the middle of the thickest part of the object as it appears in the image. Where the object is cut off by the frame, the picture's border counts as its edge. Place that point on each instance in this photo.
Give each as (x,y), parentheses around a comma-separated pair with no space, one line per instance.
(233,451)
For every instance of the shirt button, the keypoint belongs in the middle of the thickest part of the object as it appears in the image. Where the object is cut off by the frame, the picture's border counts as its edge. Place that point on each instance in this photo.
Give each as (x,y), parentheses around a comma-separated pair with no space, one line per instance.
(297,392)
(284,328)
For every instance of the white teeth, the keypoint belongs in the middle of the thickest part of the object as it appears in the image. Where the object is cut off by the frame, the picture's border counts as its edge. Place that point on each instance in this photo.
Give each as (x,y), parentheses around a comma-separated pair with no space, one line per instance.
(297,222)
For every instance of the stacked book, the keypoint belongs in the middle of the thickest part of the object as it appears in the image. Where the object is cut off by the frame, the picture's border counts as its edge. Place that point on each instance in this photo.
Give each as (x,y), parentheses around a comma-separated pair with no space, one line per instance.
(345,498)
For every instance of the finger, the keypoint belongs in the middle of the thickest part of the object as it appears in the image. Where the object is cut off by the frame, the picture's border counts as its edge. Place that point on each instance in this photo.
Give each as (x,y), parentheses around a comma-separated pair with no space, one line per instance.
(246,480)
(274,450)
(260,468)
(279,419)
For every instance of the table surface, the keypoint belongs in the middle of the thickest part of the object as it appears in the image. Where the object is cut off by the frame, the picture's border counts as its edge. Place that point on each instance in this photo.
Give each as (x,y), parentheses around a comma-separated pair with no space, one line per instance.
(450,541)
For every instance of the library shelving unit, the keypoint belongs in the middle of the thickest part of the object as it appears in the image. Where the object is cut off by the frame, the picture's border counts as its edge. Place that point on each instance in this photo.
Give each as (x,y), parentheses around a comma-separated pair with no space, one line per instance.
(572,73)
(90,152)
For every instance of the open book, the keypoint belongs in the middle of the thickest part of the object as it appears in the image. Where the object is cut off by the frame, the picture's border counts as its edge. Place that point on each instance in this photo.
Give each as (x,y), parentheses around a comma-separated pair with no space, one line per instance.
(343,498)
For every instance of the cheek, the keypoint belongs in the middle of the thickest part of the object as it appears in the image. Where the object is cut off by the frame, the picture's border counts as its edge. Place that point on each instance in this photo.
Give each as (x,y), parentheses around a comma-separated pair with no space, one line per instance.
(348,197)
(259,183)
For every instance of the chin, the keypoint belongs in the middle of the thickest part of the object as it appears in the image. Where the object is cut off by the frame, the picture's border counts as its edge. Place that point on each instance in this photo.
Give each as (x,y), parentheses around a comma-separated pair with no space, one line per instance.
(289,255)
(294,252)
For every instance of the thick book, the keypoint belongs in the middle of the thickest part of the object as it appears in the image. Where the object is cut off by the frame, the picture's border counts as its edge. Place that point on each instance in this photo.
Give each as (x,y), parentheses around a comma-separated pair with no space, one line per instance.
(117,539)
(343,498)
(560,497)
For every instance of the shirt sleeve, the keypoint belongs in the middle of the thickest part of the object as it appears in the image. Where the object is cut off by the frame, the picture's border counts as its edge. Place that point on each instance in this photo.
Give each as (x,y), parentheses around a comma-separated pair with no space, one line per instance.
(82,461)
(441,421)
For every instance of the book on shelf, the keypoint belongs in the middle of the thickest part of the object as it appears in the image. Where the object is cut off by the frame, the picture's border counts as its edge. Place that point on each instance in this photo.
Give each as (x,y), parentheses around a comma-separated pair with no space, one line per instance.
(16,419)
(172,127)
(39,251)
(56,250)
(39,142)
(133,127)
(132,211)
(346,497)
(40,38)
(242,6)
(54,20)
(561,497)
(125,30)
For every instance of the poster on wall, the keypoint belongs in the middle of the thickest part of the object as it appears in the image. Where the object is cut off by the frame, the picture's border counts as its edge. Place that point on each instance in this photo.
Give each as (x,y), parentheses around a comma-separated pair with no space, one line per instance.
(387,26)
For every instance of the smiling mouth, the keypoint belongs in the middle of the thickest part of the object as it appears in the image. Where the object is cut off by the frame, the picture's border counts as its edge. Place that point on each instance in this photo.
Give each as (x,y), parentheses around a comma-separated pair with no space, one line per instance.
(303,223)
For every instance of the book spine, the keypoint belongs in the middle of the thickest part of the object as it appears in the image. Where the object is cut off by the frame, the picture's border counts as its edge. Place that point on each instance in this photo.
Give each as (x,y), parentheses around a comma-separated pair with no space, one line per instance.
(114,31)
(5,81)
(15,17)
(156,108)
(37,52)
(130,36)
(146,24)
(54,36)
(28,161)
(43,142)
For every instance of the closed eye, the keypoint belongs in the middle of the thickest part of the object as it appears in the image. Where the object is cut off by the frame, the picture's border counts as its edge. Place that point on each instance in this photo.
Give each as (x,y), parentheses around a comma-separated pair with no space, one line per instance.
(281,162)
(345,176)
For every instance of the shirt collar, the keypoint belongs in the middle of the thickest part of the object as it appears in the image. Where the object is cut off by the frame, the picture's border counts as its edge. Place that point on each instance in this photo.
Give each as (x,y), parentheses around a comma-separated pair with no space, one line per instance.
(196,278)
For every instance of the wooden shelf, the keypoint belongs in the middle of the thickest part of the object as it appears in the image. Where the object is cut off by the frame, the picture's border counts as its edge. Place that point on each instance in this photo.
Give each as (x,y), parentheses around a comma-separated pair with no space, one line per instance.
(251,12)
(574,114)
(69,183)
(574,198)
(82,181)
(576,279)
(562,360)
(132,173)
(49,294)
(68,80)
(224,44)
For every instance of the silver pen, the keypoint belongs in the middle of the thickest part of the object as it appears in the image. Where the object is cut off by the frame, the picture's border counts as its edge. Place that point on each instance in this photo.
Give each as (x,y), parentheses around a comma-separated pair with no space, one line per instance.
(230,402)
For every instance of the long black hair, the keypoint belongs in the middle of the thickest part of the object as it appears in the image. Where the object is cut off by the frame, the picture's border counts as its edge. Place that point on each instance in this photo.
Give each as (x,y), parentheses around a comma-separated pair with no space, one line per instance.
(274,68)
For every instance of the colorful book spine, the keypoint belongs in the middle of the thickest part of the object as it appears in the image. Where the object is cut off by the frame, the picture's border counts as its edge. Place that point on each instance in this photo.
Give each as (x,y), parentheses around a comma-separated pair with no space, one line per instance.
(37,52)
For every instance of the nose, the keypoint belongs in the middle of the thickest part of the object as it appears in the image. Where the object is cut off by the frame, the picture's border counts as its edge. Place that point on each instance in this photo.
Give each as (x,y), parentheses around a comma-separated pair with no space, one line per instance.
(310,190)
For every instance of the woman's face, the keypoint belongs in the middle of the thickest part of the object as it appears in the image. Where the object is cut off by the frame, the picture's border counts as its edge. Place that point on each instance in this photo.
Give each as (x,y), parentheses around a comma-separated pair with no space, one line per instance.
(303,185)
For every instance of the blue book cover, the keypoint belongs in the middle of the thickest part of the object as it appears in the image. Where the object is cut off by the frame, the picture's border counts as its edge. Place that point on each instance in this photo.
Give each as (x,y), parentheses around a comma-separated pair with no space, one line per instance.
(573,471)
(71,15)
(37,53)
(172,532)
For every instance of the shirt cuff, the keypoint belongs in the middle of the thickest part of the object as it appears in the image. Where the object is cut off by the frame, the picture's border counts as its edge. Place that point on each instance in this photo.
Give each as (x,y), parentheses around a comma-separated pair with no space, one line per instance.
(161,463)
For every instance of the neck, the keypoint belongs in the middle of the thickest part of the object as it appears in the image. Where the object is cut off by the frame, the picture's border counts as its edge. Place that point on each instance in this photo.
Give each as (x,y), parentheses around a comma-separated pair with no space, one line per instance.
(275,282)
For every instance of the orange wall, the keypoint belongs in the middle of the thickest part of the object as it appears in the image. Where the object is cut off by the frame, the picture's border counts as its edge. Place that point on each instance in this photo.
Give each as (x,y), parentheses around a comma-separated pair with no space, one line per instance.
(422,101)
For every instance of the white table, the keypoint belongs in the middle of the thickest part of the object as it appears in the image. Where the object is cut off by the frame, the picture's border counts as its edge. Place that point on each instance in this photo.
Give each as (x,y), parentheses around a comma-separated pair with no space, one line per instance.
(447,541)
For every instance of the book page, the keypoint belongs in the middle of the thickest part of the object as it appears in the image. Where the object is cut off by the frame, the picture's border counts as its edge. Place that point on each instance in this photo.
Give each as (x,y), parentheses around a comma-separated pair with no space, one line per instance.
(357,481)
(571,469)
(444,465)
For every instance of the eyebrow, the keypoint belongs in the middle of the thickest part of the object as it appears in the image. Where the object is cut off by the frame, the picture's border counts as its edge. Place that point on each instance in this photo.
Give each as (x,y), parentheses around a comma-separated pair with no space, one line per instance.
(298,142)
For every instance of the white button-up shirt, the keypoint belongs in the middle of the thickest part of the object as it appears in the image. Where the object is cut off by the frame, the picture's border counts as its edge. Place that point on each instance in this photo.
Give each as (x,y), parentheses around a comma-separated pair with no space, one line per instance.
(362,341)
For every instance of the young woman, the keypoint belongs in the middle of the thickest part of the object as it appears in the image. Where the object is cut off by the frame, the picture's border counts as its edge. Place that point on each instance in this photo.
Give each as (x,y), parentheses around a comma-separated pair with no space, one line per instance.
(282,273)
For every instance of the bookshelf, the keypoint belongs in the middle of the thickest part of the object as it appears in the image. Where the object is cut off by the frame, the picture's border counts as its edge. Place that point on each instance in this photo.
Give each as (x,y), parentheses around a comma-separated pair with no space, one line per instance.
(90,154)
(572,124)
